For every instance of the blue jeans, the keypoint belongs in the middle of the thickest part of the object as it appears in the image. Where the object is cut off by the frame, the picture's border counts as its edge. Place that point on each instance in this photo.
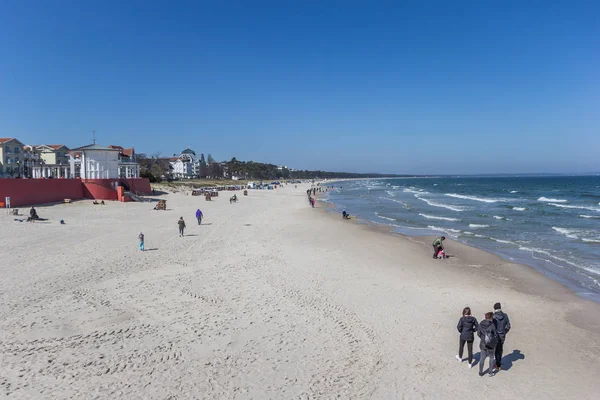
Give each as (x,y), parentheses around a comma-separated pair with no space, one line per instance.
(142,246)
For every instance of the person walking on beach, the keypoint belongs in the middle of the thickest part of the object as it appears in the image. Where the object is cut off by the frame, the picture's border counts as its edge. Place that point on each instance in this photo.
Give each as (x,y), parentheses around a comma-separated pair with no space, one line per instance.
(437,243)
(467,326)
(199,216)
(141,238)
(502,323)
(181,224)
(489,339)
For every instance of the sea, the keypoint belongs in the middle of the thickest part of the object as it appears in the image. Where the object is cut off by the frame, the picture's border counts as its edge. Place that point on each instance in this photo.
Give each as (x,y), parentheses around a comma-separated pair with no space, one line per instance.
(549,223)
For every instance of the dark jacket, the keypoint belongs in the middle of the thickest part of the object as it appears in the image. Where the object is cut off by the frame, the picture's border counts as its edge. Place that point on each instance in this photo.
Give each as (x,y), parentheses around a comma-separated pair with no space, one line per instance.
(502,323)
(467,326)
(483,326)
(181,224)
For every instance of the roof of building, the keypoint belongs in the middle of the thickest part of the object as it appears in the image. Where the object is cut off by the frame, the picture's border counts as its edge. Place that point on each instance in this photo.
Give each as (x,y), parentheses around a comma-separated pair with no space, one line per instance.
(94,147)
(188,151)
(52,146)
(125,152)
(4,140)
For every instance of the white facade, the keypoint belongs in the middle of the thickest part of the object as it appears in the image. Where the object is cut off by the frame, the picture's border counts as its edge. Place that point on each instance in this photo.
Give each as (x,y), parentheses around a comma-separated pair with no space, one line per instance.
(95,162)
(187,165)
(182,169)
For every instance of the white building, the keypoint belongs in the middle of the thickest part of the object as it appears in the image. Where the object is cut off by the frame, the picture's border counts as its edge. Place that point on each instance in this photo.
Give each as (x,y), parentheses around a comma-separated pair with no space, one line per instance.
(99,162)
(187,165)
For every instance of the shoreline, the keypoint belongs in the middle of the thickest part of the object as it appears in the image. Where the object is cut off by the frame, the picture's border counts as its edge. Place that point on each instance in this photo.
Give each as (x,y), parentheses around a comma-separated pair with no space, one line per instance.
(517,258)
(465,258)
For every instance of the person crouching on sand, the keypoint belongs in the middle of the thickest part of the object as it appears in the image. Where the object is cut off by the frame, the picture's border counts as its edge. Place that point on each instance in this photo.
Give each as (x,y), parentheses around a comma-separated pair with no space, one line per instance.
(467,326)
(489,339)
(181,224)
(141,237)
(438,245)
(199,216)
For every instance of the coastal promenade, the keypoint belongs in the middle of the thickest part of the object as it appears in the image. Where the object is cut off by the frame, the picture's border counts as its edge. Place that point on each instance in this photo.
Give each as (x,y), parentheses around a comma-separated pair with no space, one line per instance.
(268,299)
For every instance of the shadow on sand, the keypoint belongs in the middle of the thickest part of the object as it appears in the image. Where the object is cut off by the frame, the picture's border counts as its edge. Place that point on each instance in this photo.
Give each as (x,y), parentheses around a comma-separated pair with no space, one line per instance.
(509,359)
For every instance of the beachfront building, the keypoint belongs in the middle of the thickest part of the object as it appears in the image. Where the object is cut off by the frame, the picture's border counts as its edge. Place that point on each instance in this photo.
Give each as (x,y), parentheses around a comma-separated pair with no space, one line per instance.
(94,162)
(128,166)
(47,161)
(11,158)
(187,165)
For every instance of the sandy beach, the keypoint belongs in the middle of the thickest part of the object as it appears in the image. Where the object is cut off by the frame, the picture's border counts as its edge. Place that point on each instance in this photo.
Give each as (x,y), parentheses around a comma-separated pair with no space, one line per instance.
(268,299)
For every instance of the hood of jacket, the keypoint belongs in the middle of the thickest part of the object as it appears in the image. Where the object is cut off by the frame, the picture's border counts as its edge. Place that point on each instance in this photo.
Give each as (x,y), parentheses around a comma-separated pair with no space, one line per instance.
(485,324)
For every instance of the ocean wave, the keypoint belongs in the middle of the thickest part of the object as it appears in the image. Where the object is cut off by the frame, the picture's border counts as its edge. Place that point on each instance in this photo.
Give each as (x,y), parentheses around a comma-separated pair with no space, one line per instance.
(514,191)
(546,252)
(441,205)
(570,233)
(519,208)
(475,226)
(590,216)
(504,241)
(395,201)
(551,200)
(386,218)
(480,199)
(576,207)
(441,229)
(498,217)
(412,190)
(390,193)
(580,234)
(440,218)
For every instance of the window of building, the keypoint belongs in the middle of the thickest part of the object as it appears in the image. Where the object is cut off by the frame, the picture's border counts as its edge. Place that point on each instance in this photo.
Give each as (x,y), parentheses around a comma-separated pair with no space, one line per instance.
(8,161)
(7,149)
(16,150)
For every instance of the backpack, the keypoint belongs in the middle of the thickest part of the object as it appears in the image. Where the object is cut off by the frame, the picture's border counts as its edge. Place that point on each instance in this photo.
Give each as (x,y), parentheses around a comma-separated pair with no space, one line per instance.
(490,337)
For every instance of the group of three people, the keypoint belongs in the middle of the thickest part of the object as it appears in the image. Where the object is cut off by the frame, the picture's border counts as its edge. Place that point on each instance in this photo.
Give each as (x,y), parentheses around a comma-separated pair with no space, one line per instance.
(492,332)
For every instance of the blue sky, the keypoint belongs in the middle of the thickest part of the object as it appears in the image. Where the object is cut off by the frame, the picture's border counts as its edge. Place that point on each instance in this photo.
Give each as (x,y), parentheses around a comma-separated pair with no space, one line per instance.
(393,87)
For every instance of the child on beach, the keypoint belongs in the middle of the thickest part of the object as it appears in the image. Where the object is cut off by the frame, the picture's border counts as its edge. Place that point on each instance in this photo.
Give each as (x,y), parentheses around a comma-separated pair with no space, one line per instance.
(141,237)
(467,326)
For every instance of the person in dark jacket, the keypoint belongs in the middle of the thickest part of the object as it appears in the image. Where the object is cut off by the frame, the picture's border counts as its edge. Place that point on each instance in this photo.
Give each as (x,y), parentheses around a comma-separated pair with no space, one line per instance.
(438,244)
(181,224)
(487,328)
(502,323)
(467,326)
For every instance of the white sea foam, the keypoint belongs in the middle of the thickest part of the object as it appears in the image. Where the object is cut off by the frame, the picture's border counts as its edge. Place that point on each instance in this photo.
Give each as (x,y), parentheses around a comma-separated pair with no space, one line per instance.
(476,226)
(395,201)
(519,208)
(576,207)
(390,193)
(590,216)
(441,205)
(551,200)
(386,218)
(590,240)
(570,233)
(514,191)
(504,241)
(446,230)
(439,218)
(411,190)
(480,199)
(498,217)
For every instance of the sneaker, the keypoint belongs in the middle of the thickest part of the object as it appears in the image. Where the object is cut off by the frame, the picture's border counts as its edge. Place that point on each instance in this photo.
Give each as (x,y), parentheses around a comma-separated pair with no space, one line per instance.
(471,364)
(458,358)
(481,374)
